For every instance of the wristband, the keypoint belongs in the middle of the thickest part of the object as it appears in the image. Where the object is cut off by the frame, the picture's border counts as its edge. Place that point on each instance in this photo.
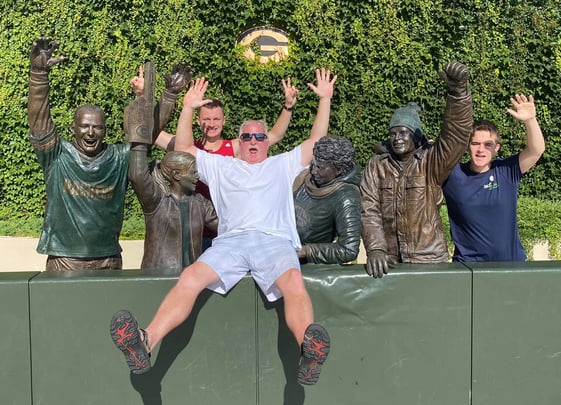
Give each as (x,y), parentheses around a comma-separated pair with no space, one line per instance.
(288,108)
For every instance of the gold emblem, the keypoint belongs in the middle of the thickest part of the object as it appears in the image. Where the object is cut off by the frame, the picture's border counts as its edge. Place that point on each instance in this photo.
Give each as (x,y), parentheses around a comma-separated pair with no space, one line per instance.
(266,43)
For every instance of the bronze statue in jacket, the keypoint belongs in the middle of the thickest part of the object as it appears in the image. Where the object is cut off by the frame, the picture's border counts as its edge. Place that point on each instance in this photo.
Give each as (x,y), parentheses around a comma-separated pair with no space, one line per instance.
(327,204)
(401,186)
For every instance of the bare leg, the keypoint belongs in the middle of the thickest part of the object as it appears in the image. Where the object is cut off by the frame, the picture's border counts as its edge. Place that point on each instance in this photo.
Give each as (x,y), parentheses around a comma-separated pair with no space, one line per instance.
(174,309)
(178,303)
(298,308)
(312,337)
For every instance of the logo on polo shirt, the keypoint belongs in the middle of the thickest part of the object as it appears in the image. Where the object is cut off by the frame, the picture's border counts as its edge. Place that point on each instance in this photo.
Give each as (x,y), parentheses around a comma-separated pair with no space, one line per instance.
(492,183)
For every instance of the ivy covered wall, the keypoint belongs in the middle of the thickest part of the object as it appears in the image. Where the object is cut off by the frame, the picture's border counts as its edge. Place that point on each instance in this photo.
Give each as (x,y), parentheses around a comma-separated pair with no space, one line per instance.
(386,53)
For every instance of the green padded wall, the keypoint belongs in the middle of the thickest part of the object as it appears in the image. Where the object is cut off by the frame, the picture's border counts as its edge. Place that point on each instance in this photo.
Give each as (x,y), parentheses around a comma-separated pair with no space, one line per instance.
(487,333)
(15,372)
(403,339)
(517,333)
(209,360)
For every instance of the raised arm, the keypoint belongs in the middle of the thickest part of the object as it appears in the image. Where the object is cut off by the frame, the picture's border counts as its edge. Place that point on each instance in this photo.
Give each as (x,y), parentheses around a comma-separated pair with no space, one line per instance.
(524,109)
(193,99)
(38,110)
(277,132)
(176,82)
(457,123)
(324,90)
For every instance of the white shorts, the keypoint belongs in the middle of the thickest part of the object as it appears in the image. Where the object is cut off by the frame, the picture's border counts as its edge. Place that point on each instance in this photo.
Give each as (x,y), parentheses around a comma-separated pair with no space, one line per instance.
(265,256)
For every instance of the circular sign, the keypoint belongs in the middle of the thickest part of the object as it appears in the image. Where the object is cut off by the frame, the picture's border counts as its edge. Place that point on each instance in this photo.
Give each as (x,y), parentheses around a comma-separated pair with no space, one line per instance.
(271,44)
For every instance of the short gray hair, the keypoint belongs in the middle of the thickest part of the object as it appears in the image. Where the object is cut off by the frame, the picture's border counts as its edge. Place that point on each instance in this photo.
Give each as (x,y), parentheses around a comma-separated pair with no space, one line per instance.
(260,122)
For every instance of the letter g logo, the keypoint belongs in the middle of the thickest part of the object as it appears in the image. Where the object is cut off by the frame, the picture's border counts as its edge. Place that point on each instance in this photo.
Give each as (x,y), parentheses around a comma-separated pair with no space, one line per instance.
(266,43)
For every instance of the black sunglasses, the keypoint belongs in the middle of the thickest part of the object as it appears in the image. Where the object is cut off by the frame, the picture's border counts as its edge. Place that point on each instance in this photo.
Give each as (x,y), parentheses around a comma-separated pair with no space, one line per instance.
(246,137)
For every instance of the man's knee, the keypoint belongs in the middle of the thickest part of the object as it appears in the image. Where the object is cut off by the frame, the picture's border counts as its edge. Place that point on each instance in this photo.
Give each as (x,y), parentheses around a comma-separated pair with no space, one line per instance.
(291,282)
(198,276)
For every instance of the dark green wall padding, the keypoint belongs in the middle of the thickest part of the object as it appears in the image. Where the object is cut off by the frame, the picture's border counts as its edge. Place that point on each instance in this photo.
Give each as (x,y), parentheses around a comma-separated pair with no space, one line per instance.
(441,334)
(15,370)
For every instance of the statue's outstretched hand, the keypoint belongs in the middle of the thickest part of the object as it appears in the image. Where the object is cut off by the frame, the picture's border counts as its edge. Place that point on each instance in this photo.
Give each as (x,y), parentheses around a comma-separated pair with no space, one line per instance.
(179,78)
(41,55)
(456,76)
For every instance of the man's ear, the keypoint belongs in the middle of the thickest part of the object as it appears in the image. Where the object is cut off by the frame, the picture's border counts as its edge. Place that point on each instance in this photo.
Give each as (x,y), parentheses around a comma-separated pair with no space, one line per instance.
(497,147)
(175,174)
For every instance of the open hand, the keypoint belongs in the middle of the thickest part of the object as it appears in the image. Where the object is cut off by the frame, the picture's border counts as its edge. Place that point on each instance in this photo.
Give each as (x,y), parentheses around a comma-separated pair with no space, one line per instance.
(41,55)
(194,98)
(325,83)
(523,108)
(290,93)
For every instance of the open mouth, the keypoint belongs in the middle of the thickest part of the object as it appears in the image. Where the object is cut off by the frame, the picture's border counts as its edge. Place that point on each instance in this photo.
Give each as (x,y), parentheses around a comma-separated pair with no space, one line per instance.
(90,142)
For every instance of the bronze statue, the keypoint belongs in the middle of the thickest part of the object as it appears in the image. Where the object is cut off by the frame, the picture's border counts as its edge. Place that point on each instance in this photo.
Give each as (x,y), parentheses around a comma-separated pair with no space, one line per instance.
(401,185)
(327,204)
(174,214)
(85,179)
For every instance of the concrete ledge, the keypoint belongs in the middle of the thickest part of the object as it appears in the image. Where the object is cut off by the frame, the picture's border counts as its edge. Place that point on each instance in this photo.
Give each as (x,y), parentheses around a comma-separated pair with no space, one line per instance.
(20,254)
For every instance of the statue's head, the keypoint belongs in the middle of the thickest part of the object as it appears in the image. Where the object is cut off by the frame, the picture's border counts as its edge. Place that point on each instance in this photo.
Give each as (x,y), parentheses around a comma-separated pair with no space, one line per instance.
(180,168)
(333,157)
(406,134)
(89,130)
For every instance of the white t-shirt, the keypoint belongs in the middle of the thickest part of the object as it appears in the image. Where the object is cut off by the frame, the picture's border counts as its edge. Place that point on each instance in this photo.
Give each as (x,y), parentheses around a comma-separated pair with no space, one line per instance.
(253,196)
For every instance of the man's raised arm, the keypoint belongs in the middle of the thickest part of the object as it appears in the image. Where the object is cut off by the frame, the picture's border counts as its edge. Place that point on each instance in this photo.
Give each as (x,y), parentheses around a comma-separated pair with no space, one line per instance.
(277,132)
(192,100)
(523,109)
(324,90)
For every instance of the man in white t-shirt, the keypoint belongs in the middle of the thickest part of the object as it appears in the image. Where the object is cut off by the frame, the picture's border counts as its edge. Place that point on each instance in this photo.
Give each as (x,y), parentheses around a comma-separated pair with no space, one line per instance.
(256,233)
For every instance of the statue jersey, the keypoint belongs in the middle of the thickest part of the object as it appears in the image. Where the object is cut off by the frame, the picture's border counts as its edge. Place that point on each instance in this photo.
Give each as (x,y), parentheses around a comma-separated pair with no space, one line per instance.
(482,212)
(85,199)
